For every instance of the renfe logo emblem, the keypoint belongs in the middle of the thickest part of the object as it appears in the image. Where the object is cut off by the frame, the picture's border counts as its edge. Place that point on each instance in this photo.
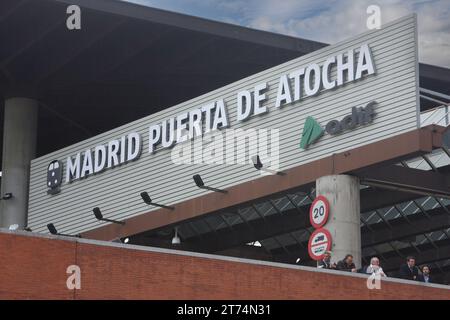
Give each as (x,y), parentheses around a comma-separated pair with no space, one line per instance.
(54,176)
(312,130)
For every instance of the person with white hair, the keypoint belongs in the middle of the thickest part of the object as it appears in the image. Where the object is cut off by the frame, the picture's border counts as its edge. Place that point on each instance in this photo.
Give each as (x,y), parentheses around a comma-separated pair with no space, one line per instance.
(375,268)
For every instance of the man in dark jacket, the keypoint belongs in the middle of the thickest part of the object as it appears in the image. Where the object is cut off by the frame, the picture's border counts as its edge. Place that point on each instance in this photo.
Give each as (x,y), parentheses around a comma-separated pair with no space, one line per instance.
(425,276)
(409,270)
(346,264)
(325,263)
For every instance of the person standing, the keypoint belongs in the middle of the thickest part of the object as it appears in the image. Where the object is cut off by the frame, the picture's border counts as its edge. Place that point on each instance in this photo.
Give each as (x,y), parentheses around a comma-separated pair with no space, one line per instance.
(425,276)
(325,263)
(375,268)
(409,270)
(346,264)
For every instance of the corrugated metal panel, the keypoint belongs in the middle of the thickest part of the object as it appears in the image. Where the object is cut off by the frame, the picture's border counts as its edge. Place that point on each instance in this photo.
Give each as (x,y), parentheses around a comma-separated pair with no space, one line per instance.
(116,191)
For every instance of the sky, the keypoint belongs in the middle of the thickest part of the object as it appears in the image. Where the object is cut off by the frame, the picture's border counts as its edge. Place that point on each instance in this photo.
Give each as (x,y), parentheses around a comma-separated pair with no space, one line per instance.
(325,21)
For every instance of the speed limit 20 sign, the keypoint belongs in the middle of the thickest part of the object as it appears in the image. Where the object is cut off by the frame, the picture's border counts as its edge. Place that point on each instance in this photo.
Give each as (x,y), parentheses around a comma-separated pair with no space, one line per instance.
(319,212)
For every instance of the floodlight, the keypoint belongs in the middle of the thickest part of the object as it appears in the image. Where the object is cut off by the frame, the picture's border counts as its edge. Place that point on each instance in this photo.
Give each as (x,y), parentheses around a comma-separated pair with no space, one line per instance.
(7,196)
(199,182)
(259,166)
(176,239)
(99,216)
(146,197)
(257,162)
(51,227)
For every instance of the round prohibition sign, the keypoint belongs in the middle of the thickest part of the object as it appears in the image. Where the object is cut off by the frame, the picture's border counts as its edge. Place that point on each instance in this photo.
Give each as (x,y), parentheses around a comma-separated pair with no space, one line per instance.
(319,212)
(319,242)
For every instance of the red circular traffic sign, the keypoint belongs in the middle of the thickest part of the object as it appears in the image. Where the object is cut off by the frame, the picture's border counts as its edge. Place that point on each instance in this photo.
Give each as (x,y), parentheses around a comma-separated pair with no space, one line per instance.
(319,242)
(319,212)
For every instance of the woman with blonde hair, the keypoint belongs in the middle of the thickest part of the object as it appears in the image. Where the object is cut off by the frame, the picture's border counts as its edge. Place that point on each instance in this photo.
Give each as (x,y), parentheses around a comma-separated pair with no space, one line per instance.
(374,267)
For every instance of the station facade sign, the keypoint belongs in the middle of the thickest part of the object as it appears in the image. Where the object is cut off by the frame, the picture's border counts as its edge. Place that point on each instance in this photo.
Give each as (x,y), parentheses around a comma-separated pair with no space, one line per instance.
(342,96)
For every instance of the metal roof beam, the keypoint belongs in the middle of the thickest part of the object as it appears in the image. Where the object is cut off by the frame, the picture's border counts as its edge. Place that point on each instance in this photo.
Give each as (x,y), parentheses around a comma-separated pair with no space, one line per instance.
(416,181)
(427,255)
(372,199)
(222,239)
(399,229)
(259,229)
(288,221)
(202,25)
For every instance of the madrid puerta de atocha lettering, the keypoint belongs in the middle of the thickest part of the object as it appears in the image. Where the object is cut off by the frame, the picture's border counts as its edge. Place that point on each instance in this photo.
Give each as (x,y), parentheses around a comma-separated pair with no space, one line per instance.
(292,87)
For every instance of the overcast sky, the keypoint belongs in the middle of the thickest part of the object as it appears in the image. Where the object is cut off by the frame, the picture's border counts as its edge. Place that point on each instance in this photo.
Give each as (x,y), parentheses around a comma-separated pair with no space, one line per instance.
(325,21)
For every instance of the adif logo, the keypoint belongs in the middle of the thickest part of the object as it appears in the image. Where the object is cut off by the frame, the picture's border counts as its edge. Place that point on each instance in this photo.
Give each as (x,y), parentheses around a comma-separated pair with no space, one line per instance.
(312,130)
(54,176)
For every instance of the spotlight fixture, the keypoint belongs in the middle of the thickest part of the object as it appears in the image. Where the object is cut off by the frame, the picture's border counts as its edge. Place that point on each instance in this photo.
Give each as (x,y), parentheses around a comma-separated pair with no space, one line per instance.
(146,197)
(7,196)
(99,216)
(298,260)
(257,162)
(259,166)
(121,240)
(176,239)
(52,229)
(199,182)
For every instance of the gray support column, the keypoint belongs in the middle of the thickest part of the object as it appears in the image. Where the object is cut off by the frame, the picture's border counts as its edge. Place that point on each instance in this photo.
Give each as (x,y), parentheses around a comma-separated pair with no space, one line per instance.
(19,148)
(342,192)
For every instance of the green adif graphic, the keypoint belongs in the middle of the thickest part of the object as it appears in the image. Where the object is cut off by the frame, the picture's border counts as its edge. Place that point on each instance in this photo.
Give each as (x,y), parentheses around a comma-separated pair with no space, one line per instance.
(312,130)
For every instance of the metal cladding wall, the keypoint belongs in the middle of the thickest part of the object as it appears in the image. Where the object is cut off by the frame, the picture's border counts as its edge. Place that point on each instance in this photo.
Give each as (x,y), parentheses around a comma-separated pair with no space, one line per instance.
(116,191)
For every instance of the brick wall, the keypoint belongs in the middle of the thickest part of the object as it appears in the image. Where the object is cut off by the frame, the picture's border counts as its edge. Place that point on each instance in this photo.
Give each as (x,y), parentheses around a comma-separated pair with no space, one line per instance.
(34,267)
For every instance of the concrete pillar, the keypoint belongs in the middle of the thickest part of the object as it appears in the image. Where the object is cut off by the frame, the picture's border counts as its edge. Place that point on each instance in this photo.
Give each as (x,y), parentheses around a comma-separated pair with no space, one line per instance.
(342,192)
(19,148)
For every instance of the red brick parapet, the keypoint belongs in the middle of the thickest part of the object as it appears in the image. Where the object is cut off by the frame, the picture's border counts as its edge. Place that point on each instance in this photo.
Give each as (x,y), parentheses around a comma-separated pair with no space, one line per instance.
(34,267)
